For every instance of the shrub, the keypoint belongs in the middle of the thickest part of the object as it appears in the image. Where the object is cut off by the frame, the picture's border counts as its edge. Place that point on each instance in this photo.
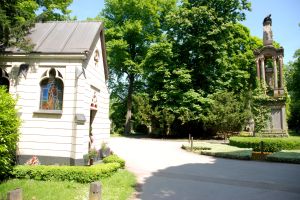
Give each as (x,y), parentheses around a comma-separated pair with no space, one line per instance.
(9,126)
(81,174)
(114,159)
(265,144)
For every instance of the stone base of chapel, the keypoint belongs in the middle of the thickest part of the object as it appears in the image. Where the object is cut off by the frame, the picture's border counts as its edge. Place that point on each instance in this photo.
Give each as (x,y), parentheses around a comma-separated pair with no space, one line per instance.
(51,160)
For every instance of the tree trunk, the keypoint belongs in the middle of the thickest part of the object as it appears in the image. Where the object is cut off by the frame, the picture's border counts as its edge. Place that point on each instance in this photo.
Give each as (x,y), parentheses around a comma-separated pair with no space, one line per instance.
(129,105)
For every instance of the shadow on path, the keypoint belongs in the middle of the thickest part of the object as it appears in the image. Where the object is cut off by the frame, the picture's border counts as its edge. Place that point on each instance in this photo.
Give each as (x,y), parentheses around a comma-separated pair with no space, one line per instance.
(218,181)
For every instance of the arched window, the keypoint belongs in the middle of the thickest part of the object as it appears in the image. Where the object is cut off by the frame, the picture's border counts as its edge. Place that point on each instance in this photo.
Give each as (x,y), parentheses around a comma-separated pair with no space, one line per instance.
(52,90)
(4,79)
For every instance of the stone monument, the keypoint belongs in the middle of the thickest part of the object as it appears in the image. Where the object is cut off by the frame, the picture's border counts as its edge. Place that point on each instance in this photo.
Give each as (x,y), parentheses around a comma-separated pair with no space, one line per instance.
(269,66)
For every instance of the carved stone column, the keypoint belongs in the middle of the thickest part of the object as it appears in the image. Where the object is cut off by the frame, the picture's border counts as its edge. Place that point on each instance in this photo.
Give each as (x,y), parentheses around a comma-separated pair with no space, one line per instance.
(263,76)
(275,76)
(257,68)
(281,71)
(281,86)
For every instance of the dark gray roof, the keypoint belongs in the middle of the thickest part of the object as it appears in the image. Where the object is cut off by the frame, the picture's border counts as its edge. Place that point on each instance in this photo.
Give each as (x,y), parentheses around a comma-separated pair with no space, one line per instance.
(64,37)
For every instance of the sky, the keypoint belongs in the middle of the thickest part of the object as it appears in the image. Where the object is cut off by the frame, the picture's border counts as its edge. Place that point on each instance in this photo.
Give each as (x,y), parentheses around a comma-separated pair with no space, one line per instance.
(285,20)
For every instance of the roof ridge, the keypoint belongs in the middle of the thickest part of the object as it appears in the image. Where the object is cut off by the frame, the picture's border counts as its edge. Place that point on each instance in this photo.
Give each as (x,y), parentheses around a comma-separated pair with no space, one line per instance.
(68,21)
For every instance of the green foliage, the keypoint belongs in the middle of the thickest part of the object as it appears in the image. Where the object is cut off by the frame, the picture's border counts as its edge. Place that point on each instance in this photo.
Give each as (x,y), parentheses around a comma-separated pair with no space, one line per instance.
(18,16)
(45,190)
(114,159)
(9,133)
(260,110)
(212,45)
(221,150)
(132,26)
(205,51)
(80,174)
(267,145)
(292,80)
(93,153)
(226,112)
(54,10)
(287,156)
(119,186)
(169,62)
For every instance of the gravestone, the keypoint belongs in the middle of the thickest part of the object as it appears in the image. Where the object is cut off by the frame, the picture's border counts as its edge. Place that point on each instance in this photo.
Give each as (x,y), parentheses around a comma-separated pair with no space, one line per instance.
(269,66)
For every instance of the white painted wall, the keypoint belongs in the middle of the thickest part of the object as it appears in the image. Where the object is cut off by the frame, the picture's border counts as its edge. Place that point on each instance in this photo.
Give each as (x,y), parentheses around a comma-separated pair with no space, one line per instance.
(55,135)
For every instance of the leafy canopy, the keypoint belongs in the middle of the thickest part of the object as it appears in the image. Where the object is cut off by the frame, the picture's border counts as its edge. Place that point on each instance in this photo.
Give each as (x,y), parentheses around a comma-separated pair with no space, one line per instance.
(17,17)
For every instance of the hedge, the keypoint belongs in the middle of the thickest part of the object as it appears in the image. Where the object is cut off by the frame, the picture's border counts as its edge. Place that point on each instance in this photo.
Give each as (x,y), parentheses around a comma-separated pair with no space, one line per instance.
(265,144)
(81,174)
(287,156)
(114,159)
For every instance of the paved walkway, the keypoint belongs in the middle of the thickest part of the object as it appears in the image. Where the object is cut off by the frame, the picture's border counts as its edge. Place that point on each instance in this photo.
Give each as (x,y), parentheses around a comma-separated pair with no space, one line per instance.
(165,171)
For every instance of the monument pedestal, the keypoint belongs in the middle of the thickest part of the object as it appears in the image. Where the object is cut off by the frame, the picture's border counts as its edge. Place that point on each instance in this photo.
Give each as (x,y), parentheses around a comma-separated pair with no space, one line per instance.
(276,126)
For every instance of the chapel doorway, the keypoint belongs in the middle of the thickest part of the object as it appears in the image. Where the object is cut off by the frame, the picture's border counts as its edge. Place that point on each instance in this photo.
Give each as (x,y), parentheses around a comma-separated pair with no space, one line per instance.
(92,117)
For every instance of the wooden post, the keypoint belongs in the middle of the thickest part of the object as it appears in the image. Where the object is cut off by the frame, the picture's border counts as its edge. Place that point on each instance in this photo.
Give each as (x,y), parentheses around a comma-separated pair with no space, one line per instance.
(15,194)
(262,147)
(192,141)
(95,191)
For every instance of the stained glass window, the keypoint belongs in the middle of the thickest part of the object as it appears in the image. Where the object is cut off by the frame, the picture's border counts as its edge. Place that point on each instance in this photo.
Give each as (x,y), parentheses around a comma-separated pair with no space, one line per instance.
(52,89)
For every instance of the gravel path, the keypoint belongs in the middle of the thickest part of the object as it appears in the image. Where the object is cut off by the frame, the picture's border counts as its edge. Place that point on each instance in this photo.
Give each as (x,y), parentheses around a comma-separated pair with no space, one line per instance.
(165,171)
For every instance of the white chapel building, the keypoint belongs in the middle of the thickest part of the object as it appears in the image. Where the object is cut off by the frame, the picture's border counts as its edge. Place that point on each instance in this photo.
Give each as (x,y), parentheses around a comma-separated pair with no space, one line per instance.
(61,91)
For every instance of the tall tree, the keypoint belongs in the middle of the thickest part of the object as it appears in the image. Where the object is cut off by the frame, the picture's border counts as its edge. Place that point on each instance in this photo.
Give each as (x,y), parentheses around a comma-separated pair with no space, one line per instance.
(209,42)
(132,27)
(17,17)
(54,10)
(206,51)
(293,79)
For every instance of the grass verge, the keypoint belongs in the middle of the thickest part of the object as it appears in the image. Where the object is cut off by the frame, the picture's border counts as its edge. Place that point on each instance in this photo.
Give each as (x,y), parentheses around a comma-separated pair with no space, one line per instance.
(289,156)
(119,186)
(221,150)
(45,190)
(226,151)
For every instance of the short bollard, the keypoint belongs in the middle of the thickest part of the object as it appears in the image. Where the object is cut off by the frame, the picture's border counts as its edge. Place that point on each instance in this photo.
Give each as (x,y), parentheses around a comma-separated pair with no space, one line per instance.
(192,143)
(15,194)
(95,191)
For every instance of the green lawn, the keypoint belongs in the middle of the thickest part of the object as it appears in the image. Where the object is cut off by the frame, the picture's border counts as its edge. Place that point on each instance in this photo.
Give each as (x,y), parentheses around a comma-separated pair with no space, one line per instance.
(119,186)
(227,151)
(221,150)
(290,156)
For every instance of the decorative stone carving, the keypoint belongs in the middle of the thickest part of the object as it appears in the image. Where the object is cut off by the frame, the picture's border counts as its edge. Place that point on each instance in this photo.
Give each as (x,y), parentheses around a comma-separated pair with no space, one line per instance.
(268,35)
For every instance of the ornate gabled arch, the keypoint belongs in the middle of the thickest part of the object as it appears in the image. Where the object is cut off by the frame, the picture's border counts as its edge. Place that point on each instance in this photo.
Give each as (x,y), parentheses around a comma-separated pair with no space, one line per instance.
(52,90)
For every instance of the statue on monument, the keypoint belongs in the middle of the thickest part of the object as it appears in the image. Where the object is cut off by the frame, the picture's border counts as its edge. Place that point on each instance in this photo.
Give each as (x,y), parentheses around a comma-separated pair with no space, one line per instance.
(268,35)
(267,19)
